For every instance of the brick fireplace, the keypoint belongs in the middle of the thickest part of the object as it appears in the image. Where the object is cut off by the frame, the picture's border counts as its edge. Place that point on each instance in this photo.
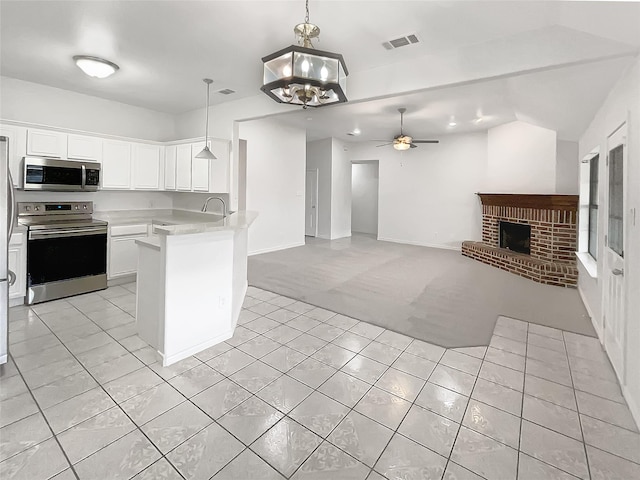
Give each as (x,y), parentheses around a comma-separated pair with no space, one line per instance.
(553,236)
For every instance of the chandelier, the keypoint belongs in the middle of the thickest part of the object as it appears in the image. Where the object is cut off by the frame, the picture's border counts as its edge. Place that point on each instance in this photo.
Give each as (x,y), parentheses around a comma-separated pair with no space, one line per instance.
(302,75)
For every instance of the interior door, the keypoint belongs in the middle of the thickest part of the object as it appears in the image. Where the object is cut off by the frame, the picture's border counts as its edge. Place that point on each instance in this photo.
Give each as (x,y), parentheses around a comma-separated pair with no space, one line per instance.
(613,302)
(311,204)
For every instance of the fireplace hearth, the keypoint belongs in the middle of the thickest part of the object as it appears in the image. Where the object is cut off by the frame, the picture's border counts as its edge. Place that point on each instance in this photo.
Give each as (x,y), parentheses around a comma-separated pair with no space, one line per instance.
(534,236)
(515,237)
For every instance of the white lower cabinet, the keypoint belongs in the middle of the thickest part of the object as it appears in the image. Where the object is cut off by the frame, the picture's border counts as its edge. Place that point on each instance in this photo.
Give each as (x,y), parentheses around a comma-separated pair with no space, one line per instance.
(17,262)
(123,251)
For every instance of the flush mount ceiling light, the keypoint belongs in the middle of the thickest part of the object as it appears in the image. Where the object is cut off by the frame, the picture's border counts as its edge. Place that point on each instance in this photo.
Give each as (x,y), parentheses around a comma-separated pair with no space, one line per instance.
(302,75)
(95,67)
(206,153)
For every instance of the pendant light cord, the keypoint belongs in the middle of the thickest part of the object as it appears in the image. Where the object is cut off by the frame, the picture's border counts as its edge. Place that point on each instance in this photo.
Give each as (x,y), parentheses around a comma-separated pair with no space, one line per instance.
(306,18)
(206,128)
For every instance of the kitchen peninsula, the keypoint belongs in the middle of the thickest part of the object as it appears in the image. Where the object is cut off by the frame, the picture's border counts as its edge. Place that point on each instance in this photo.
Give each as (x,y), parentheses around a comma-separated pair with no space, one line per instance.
(191,281)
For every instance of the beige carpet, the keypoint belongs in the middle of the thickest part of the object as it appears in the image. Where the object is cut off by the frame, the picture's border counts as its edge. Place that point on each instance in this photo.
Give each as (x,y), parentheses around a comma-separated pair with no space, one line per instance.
(432,294)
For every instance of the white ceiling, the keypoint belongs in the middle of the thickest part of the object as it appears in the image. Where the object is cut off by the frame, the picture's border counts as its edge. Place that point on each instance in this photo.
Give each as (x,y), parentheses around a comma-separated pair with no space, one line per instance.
(165,48)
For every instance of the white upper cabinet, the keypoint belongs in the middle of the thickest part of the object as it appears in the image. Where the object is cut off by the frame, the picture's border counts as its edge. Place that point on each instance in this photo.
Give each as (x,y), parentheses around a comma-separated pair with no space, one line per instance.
(17,149)
(116,165)
(199,169)
(146,166)
(46,143)
(83,147)
(170,156)
(183,167)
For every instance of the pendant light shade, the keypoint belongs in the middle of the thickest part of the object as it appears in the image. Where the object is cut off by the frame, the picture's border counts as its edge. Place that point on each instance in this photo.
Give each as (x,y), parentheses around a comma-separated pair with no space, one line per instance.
(206,153)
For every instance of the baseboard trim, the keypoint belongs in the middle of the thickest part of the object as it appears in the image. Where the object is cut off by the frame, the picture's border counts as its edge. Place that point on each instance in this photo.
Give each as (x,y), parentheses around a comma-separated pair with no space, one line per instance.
(275,249)
(591,315)
(168,360)
(633,405)
(421,244)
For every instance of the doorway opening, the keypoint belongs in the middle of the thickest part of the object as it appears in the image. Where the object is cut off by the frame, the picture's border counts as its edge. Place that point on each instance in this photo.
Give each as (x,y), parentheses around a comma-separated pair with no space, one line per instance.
(364,197)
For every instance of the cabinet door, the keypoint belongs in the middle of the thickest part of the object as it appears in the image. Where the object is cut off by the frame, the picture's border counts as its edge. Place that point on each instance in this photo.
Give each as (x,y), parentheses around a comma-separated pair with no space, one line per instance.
(46,143)
(220,167)
(170,155)
(17,263)
(183,167)
(123,256)
(17,150)
(83,147)
(146,167)
(116,165)
(199,169)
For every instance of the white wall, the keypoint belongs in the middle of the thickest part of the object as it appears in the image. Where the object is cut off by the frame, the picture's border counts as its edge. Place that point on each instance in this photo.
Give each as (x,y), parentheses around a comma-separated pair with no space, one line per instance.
(44,105)
(195,201)
(340,190)
(567,167)
(319,158)
(622,105)
(427,195)
(275,184)
(521,159)
(364,198)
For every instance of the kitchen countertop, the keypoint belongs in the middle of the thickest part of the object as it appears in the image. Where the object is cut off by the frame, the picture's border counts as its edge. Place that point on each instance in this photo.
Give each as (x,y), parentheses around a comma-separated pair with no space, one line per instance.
(178,222)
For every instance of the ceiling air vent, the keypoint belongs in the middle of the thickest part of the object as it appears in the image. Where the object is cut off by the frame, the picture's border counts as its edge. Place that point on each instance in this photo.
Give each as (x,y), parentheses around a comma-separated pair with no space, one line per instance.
(226,91)
(400,42)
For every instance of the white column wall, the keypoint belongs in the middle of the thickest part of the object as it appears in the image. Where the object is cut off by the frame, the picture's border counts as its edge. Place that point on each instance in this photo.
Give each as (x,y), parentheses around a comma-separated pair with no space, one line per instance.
(622,105)
(567,168)
(340,190)
(276,163)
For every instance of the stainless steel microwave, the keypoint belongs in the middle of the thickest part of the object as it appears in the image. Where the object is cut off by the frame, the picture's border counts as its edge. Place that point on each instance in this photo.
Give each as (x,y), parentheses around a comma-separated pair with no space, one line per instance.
(60,175)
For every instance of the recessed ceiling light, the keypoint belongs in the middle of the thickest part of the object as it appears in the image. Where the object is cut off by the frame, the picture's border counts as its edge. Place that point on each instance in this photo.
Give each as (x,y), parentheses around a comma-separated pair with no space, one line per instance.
(356,131)
(309,118)
(478,120)
(452,123)
(95,67)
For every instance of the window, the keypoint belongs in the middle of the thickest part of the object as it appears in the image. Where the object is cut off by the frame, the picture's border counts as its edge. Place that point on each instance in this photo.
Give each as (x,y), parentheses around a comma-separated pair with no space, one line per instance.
(616,205)
(593,206)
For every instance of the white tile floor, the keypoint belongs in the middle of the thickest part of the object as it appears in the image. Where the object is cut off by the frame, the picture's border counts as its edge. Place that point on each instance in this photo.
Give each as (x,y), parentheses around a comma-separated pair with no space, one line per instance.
(300,392)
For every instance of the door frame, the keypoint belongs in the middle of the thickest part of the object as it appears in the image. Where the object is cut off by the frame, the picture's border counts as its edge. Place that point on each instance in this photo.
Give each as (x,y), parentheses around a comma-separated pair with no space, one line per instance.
(616,348)
(316,172)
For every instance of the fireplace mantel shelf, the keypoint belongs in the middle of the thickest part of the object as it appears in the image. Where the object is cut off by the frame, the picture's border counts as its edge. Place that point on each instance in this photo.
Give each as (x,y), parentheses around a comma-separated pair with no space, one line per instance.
(526,200)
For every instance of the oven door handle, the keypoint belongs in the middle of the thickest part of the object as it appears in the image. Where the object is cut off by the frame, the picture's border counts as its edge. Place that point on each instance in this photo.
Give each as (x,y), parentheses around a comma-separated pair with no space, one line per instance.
(84,176)
(62,232)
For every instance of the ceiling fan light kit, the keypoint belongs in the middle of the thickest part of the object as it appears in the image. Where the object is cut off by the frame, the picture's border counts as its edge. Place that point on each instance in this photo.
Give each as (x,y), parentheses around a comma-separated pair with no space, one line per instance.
(405,142)
(301,75)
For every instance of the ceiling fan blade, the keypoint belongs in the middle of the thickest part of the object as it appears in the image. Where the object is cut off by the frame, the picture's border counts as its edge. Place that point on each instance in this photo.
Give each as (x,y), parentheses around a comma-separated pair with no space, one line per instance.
(426,141)
(413,146)
(384,144)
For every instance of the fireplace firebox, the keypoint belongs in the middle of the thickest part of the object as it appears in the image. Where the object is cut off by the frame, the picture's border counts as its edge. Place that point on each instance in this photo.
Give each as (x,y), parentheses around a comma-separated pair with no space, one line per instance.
(515,237)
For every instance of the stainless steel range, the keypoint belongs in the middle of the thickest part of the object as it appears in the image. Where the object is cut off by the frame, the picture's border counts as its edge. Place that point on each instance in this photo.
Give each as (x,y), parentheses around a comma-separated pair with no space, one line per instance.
(66,250)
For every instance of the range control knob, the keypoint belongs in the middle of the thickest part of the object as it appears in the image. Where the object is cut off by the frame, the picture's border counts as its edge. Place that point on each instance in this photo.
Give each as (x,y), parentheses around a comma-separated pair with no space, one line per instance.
(84,206)
(36,208)
(77,207)
(27,208)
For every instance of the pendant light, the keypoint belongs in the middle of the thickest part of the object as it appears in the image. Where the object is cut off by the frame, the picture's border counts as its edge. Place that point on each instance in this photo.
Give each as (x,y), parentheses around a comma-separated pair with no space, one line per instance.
(206,153)
(302,75)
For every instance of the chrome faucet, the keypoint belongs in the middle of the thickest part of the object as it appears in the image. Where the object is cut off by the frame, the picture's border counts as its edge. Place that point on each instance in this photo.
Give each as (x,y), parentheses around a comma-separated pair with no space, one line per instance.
(224,205)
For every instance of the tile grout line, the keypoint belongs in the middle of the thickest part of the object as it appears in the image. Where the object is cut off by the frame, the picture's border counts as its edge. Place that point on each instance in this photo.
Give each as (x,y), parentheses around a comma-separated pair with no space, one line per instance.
(575,397)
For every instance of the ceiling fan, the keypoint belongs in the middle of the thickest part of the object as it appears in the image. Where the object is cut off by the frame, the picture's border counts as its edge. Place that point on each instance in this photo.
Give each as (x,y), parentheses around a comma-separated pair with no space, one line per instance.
(402,141)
